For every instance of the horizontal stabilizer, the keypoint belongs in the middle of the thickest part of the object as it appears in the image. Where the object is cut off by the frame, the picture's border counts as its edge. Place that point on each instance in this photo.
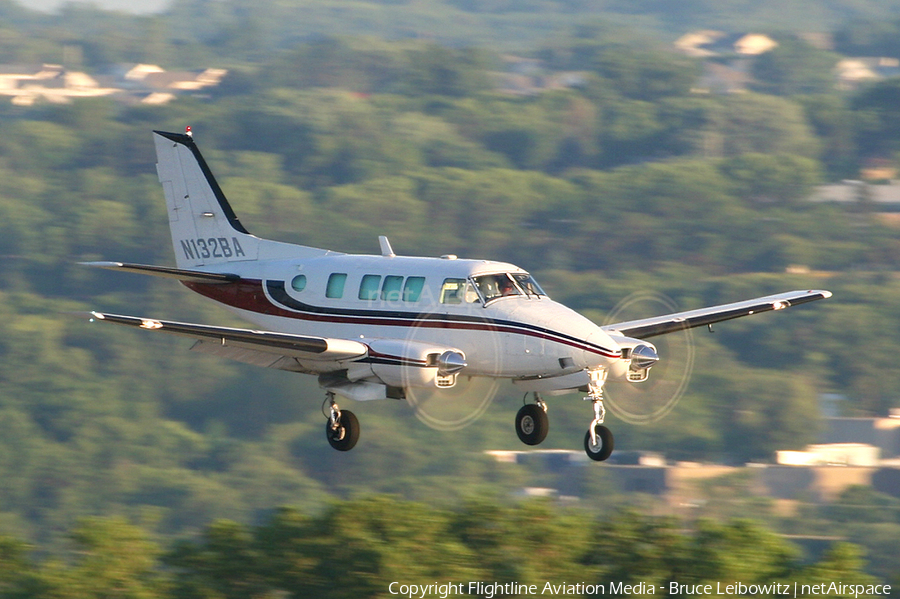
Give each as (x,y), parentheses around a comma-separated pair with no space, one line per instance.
(190,276)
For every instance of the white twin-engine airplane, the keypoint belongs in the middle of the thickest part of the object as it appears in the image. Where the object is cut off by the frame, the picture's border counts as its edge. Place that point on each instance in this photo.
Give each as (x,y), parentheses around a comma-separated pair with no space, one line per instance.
(381,326)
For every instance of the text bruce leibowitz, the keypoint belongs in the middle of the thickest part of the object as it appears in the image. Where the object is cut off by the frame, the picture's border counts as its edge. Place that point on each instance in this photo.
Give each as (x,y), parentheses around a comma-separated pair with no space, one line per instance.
(488,590)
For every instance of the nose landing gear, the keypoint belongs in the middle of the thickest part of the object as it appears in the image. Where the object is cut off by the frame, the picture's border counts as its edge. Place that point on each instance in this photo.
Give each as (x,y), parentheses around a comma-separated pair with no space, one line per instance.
(598,441)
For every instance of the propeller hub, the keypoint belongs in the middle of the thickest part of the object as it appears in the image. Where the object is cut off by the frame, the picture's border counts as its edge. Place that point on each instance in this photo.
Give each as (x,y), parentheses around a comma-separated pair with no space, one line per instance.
(451,361)
(643,356)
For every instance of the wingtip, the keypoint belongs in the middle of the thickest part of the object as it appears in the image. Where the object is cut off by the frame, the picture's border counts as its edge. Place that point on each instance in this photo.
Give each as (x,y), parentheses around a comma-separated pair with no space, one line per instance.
(89,315)
(103,264)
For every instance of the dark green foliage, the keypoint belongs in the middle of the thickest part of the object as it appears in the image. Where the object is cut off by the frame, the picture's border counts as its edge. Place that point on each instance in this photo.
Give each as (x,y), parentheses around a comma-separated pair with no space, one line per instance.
(868,37)
(863,504)
(877,109)
(794,67)
(358,548)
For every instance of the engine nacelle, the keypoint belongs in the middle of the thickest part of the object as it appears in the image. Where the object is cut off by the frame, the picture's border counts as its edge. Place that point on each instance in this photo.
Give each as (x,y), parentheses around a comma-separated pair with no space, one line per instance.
(400,363)
(638,357)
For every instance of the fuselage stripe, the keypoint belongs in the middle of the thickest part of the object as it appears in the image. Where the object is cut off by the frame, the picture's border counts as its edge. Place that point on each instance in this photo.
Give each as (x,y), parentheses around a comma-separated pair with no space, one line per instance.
(271,298)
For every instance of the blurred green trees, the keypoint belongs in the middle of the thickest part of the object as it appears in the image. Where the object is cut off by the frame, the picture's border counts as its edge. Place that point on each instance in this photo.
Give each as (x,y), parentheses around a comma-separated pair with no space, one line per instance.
(358,548)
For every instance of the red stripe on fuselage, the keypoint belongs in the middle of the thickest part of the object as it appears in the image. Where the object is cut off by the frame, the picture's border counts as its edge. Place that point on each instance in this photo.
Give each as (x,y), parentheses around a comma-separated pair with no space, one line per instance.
(250,295)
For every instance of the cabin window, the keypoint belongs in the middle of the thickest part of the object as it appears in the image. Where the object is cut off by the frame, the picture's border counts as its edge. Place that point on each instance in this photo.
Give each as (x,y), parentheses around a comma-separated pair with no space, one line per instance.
(493,286)
(413,289)
(368,287)
(298,283)
(528,284)
(453,291)
(335,287)
(390,291)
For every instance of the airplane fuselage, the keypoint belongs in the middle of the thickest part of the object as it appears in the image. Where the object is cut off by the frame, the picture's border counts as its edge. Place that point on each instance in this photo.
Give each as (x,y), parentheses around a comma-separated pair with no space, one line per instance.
(440,301)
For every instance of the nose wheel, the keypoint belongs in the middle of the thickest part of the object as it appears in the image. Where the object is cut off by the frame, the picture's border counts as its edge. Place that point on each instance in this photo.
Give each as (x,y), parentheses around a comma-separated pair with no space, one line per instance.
(342,428)
(599,445)
(598,441)
(532,424)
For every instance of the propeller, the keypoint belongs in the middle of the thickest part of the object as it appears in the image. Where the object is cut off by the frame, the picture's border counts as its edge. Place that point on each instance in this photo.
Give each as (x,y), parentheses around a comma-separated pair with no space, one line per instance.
(456,407)
(649,401)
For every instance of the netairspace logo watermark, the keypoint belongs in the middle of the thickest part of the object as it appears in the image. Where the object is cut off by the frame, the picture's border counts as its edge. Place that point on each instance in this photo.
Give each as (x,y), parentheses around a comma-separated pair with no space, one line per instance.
(489,590)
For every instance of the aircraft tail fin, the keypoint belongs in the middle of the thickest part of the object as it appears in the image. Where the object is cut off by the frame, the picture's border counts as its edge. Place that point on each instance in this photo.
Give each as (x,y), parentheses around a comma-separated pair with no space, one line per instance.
(205,229)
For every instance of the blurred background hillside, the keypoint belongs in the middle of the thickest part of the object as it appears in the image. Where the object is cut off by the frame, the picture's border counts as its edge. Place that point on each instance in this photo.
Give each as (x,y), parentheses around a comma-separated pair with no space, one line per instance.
(704,151)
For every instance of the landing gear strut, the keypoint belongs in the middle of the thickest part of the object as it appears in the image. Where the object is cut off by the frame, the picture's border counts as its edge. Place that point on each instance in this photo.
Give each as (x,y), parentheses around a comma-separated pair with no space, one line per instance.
(532,424)
(342,429)
(598,441)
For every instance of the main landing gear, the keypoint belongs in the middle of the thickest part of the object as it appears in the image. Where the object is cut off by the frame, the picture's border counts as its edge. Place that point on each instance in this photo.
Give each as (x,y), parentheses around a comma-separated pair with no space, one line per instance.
(598,441)
(532,424)
(342,429)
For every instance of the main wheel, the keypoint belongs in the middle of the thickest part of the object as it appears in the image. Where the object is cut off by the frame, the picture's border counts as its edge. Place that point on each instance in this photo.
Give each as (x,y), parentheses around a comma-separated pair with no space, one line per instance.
(532,424)
(604,446)
(345,436)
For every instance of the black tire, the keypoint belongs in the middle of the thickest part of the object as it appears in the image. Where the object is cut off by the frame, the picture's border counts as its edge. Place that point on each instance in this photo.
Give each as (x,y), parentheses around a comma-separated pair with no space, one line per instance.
(532,424)
(605,444)
(345,436)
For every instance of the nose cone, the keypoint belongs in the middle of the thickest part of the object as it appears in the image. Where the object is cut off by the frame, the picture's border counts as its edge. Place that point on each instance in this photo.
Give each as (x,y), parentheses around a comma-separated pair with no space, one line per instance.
(450,362)
(570,339)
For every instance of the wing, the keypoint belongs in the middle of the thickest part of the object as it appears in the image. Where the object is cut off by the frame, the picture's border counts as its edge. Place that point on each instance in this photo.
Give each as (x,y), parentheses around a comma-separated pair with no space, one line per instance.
(261,348)
(660,325)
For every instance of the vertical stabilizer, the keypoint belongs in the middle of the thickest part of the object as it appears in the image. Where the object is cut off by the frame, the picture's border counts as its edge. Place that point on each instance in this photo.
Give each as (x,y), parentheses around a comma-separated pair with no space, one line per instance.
(205,230)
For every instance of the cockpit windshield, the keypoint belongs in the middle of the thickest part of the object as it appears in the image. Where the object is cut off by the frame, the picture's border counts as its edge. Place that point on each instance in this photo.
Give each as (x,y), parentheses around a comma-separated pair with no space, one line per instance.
(528,284)
(492,287)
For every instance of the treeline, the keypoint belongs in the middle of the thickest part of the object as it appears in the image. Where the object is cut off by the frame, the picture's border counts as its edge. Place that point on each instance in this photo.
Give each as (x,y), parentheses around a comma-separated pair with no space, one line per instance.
(358,548)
